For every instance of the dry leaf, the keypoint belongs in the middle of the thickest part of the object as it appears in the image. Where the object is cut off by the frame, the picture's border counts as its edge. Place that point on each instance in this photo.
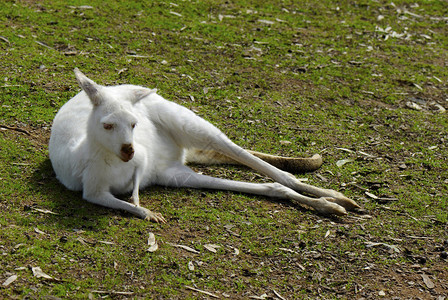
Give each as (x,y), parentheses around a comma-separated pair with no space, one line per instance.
(342,162)
(371,195)
(37,272)
(212,247)
(236,251)
(151,239)
(392,247)
(440,108)
(122,70)
(413,105)
(153,247)
(152,243)
(10,280)
(428,282)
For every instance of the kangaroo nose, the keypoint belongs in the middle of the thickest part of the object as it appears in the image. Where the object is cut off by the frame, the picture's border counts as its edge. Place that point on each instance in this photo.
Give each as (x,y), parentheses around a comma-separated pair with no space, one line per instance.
(127,152)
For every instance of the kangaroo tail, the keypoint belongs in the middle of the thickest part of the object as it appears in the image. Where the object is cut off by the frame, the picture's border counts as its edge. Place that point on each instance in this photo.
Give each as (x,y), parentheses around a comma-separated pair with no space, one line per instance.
(289,164)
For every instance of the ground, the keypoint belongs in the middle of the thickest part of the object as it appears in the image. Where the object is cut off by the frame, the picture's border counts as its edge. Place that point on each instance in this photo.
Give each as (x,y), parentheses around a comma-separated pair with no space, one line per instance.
(363,83)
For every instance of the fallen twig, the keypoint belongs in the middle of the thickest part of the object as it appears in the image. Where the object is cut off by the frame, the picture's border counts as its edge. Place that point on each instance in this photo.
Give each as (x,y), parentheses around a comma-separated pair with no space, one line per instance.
(185,248)
(15,129)
(4,39)
(112,292)
(44,211)
(201,291)
(44,45)
(10,85)
(278,295)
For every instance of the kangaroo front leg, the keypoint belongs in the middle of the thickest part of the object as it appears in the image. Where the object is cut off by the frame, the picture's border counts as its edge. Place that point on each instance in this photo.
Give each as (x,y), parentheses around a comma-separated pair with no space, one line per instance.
(106,199)
(182,176)
(135,190)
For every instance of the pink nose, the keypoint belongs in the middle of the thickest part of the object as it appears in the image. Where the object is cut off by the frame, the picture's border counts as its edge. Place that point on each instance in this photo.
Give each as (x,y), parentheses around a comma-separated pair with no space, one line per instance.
(127,152)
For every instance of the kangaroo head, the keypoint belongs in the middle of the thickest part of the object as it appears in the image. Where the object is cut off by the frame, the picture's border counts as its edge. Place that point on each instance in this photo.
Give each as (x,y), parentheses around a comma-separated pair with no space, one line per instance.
(112,120)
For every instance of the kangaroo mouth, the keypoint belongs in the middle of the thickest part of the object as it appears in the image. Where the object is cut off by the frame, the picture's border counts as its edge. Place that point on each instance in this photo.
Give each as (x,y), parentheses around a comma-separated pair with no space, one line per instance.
(126,158)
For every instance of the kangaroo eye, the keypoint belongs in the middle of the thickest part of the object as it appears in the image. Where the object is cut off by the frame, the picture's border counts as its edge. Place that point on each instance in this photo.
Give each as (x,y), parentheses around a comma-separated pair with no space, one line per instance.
(108,126)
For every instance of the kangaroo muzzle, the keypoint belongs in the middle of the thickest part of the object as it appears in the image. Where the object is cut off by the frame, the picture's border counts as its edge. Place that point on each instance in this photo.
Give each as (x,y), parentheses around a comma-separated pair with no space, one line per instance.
(127,152)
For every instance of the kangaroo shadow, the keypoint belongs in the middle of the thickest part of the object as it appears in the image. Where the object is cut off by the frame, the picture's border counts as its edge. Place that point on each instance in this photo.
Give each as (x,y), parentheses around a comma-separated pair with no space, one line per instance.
(69,210)
(65,207)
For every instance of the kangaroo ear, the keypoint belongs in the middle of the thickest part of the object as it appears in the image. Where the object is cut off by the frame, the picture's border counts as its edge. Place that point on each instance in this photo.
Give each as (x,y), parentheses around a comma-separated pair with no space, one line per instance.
(92,89)
(141,93)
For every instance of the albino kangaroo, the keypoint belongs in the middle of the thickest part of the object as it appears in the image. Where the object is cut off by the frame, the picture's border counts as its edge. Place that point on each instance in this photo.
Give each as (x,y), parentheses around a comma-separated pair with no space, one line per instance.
(117,139)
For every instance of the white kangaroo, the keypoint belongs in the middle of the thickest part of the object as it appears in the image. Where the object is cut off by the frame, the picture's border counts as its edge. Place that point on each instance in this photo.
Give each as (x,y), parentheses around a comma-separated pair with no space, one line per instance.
(117,139)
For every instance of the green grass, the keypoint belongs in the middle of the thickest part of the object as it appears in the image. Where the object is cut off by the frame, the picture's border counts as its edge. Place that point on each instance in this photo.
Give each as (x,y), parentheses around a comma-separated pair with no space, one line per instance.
(322,75)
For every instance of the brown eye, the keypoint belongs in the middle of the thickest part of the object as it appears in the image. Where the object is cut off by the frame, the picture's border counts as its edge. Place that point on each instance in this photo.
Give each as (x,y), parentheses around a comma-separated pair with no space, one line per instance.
(108,126)
(133,126)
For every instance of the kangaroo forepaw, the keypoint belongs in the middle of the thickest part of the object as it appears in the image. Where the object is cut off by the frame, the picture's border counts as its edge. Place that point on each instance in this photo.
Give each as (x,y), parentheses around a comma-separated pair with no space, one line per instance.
(153,216)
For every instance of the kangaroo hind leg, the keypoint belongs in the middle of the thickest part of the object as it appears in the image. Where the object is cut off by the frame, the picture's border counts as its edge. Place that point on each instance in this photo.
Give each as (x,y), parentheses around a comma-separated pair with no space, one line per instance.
(182,176)
(191,131)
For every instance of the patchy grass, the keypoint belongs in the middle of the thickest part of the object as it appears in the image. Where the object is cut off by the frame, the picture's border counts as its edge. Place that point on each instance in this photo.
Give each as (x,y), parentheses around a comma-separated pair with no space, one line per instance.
(363,80)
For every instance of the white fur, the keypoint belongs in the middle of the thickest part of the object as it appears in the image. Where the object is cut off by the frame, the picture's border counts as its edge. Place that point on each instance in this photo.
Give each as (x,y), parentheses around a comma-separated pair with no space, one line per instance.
(88,150)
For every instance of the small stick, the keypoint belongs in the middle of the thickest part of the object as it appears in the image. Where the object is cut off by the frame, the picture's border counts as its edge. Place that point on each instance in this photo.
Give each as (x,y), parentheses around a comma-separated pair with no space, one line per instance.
(15,129)
(201,291)
(113,292)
